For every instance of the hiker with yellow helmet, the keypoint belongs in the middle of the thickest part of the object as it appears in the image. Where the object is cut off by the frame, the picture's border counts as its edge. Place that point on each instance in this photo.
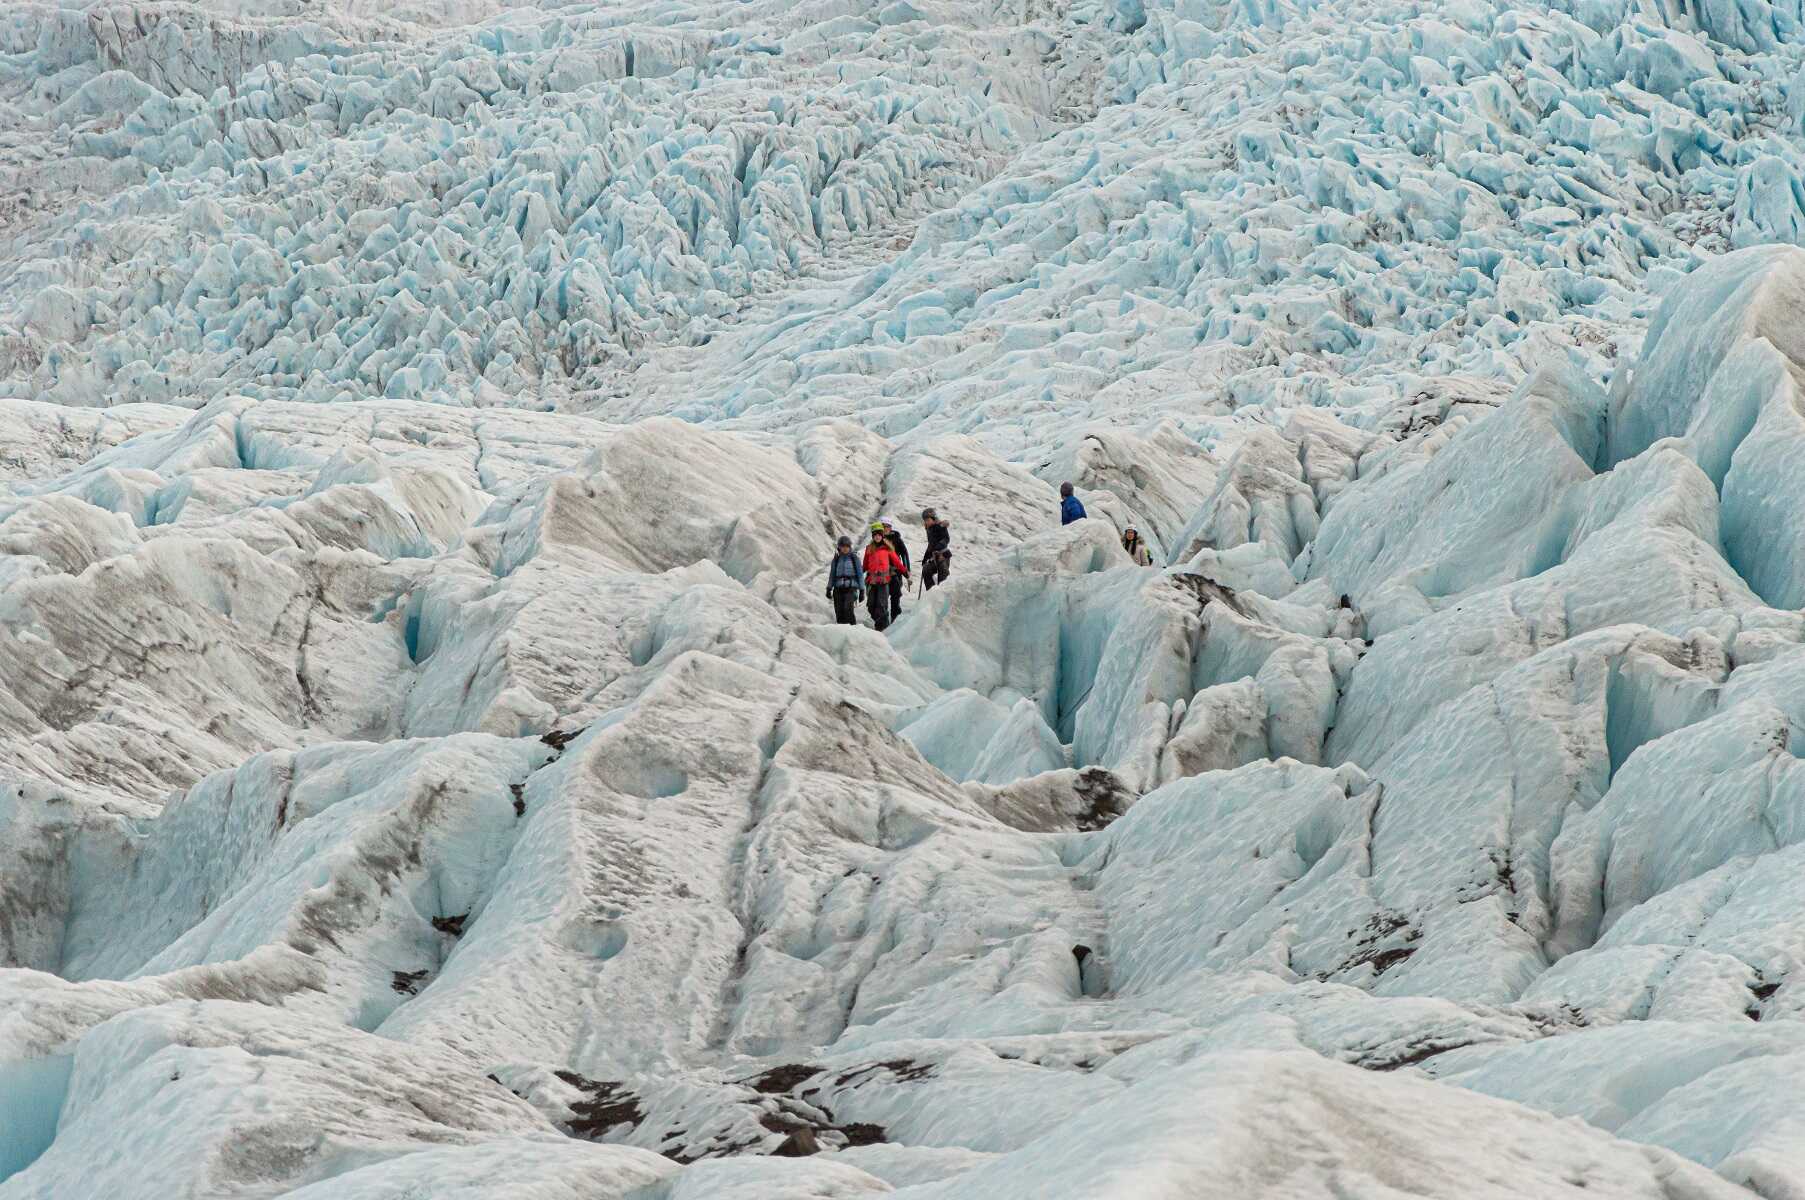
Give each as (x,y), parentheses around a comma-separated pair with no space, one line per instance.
(882,567)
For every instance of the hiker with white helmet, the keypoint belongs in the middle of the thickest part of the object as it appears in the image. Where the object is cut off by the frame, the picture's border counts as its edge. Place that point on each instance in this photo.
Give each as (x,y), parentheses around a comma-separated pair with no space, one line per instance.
(1137,548)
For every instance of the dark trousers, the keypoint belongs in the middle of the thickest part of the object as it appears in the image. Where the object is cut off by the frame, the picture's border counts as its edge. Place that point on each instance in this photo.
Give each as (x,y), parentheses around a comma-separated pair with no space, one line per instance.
(877,598)
(898,585)
(933,570)
(846,607)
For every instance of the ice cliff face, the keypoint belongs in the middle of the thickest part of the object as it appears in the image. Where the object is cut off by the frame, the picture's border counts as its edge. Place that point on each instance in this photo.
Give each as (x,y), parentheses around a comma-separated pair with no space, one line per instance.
(427,767)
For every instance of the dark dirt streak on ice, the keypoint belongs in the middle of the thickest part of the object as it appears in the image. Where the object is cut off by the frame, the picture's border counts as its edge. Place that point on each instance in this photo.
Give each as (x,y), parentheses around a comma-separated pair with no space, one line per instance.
(736,869)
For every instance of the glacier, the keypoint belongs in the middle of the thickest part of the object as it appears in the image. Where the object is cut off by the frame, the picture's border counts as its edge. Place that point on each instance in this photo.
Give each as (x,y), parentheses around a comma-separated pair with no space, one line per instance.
(428,765)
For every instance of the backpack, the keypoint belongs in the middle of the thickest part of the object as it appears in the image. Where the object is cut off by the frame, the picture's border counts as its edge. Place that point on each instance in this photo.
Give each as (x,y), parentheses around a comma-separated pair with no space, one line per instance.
(844,574)
(880,563)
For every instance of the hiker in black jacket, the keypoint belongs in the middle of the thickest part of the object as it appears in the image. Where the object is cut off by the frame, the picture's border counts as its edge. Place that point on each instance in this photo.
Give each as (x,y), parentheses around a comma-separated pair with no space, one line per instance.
(898,583)
(939,558)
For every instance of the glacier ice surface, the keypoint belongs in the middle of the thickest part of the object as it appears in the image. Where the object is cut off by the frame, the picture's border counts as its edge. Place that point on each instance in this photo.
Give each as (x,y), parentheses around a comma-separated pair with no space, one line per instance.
(427,765)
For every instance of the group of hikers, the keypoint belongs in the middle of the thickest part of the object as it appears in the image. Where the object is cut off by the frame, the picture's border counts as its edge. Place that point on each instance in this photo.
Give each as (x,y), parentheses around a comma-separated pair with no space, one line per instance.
(880,577)
(1072,509)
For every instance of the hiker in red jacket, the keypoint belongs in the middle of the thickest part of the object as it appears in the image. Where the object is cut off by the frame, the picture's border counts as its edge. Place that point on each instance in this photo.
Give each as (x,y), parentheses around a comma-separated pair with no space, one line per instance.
(881,566)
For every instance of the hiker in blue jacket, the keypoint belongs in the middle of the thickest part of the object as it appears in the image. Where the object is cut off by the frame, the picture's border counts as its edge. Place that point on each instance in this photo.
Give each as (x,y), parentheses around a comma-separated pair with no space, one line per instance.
(1070,507)
(846,584)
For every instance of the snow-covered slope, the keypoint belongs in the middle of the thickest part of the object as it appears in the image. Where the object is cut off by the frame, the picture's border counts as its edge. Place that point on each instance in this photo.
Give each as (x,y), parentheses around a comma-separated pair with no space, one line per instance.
(427,763)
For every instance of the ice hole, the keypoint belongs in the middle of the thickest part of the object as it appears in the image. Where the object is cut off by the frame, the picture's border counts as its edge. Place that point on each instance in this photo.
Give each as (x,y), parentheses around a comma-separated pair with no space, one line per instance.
(31,1103)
